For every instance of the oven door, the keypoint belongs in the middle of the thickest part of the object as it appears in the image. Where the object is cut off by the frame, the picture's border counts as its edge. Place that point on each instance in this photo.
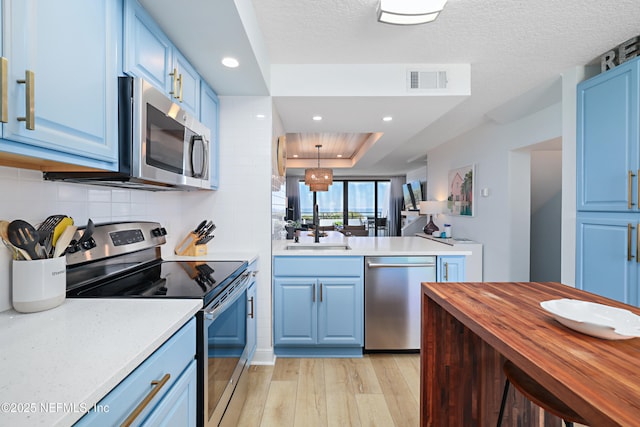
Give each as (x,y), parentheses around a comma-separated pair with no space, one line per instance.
(224,349)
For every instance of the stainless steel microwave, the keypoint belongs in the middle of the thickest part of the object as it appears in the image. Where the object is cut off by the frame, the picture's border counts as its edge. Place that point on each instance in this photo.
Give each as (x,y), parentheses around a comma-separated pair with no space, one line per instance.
(161,146)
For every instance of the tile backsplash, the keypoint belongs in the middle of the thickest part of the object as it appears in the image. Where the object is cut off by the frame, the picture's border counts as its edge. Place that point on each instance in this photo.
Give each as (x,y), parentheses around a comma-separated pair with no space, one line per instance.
(26,196)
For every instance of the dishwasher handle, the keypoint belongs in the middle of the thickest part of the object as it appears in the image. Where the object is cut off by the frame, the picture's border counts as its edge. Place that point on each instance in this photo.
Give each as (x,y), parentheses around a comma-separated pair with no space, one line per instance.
(399,265)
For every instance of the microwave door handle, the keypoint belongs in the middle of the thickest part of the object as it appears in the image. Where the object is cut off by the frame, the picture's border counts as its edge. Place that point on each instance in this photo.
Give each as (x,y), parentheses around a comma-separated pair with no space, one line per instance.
(198,173)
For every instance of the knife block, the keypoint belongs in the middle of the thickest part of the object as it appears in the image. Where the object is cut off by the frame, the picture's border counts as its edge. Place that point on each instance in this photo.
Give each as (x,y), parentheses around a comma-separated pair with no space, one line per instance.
(196,250)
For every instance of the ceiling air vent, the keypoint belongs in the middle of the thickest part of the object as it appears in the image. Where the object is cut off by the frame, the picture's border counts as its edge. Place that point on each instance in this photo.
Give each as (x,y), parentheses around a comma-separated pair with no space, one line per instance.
(420,80)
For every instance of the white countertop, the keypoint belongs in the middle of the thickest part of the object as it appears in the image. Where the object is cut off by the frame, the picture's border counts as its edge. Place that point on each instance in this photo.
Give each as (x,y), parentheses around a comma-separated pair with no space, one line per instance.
(387,246)
(374,246)
(73,355)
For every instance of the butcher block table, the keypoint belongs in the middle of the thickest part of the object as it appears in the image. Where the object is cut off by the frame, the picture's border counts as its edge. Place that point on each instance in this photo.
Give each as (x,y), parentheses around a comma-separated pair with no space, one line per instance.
(469,329)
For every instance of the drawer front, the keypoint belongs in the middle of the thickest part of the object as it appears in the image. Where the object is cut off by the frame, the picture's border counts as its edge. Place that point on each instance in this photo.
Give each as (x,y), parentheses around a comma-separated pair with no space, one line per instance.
(171,358)
(326,266)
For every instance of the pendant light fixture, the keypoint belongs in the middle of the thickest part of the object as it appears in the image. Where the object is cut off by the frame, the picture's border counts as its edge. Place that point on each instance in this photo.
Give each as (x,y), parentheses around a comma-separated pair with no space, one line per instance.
(318,179)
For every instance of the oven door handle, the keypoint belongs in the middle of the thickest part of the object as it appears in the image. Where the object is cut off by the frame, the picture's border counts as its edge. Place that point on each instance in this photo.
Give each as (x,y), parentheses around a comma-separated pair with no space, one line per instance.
(241,285)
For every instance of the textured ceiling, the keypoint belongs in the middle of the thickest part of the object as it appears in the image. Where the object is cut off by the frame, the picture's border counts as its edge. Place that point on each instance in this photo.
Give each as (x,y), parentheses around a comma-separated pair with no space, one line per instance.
(514,47)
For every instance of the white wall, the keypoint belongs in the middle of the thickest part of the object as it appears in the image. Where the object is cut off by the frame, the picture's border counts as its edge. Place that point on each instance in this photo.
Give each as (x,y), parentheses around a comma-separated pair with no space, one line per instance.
(240,208)
(499,222)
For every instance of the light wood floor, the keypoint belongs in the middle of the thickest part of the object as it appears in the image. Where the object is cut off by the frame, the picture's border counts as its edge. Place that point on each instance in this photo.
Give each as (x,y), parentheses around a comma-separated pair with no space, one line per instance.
(377,390)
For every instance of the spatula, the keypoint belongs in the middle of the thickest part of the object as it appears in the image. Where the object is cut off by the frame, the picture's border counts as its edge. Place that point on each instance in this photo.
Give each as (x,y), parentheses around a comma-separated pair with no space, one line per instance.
(24,236)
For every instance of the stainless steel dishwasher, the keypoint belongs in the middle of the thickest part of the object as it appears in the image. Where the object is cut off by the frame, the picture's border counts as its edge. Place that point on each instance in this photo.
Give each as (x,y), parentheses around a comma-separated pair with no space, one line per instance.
(392,300)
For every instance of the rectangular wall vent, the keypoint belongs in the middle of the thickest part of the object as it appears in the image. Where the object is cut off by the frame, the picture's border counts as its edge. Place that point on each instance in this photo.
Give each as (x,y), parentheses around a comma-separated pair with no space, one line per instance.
(420,80)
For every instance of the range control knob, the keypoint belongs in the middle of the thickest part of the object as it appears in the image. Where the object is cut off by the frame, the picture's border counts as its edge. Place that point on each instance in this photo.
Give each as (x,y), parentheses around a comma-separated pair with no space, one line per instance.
(157,232)
(73,247)
(89,244)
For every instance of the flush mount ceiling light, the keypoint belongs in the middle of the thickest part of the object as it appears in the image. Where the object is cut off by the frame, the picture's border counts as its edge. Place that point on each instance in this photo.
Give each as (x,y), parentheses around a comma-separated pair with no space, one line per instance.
(317,118)
(318,179)
(409,12)
(230,62)
(387,119)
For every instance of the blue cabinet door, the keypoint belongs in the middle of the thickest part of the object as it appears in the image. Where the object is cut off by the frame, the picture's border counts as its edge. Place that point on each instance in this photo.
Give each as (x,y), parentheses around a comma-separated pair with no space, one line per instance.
(295,314)
(451,268)
(607,255)
(178,407)
(148,52)
(340,311)
(607,141)
(188,87)
(71,51)
(209,116)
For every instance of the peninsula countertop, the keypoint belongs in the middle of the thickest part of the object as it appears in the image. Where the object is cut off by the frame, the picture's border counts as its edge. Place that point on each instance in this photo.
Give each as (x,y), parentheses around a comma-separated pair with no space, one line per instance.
(486,323)
(383,246)
(56,364)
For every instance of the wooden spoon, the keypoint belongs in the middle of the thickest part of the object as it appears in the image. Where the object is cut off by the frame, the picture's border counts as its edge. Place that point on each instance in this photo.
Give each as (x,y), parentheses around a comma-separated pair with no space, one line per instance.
(24,236)
(64,240)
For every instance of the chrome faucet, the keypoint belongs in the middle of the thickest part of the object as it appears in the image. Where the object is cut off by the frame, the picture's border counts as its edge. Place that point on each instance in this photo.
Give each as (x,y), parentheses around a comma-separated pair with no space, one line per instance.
(316,224)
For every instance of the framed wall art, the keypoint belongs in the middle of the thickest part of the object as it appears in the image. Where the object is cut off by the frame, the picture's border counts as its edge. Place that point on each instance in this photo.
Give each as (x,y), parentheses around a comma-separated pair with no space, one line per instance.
(460,198)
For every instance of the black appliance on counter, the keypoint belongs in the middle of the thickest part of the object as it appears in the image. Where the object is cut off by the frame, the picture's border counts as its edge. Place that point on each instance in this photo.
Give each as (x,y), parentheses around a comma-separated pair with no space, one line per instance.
(123,260)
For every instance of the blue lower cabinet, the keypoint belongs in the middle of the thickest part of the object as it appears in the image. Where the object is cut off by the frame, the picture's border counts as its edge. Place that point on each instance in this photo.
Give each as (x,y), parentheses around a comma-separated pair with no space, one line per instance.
(606,255)
(178,407)
(320,316)
(451,268)
(168,376)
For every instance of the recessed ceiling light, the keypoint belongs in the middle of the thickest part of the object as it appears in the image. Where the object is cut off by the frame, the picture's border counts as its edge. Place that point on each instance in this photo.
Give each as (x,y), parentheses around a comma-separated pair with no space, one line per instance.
(339,155)
(317,118)
(260,116)
(230,62)
(295,156)
(387,119)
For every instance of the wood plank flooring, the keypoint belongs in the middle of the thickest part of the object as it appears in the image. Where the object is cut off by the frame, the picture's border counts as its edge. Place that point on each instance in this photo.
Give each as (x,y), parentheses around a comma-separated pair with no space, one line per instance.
(376,390)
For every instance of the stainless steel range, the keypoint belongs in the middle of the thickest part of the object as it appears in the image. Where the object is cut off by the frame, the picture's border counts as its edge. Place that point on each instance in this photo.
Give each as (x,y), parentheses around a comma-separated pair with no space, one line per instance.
(123,260)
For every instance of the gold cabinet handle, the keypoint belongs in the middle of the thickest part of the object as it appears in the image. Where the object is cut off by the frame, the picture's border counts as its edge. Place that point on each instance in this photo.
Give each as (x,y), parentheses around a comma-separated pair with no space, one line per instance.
(313,293)
(320,291)
(4,88)
(446,271)
(174,82)
(629,254)
(136,412)
(29,92)
(251,305)
(180,91)
(630,189)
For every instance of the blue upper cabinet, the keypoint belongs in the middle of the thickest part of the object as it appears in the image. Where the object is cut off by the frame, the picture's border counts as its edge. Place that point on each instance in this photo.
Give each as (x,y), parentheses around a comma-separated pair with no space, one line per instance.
(148,53)
(61,105)
(187,88)
(209,116)
(607,141)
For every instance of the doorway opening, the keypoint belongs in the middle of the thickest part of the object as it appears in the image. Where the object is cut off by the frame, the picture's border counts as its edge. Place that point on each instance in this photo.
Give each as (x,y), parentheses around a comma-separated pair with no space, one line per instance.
(546,211)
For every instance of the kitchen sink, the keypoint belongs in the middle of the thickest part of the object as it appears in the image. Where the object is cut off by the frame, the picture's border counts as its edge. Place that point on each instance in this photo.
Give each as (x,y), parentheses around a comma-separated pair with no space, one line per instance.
(318,246)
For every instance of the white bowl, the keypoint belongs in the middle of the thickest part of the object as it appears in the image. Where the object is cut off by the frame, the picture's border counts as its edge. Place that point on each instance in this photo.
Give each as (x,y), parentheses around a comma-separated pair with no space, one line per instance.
(594,319)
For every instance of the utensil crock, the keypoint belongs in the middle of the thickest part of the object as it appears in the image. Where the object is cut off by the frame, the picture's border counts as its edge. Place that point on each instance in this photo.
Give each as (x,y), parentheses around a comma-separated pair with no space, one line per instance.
(39,285)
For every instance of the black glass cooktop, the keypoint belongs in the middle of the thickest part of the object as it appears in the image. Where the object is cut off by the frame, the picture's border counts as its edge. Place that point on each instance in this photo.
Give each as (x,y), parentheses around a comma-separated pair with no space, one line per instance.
(158,279)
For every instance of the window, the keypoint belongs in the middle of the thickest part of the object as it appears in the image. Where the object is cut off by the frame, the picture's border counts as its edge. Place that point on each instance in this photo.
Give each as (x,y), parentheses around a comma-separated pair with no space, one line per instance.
(350,202)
